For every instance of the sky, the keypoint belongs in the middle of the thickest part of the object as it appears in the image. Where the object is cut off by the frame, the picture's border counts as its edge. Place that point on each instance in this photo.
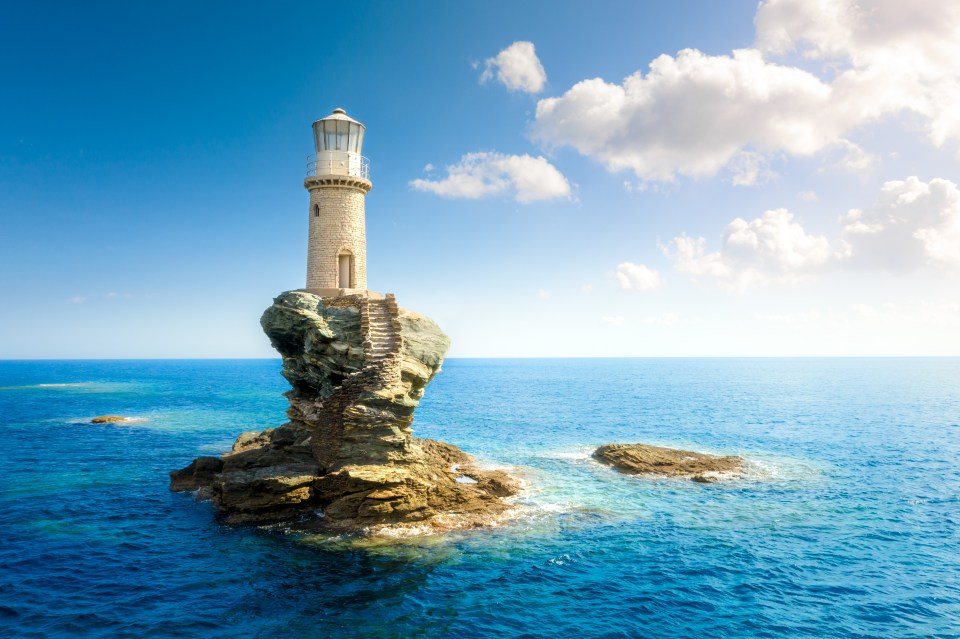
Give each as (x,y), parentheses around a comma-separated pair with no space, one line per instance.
(550,179)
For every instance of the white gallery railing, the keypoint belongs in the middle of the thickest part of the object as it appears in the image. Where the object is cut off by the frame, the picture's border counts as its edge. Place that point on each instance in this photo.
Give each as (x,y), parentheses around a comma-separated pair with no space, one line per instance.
(340,164)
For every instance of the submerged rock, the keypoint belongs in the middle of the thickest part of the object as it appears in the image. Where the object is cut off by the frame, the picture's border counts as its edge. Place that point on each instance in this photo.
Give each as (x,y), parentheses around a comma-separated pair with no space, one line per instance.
(655,460)
(358,369)
(109,419)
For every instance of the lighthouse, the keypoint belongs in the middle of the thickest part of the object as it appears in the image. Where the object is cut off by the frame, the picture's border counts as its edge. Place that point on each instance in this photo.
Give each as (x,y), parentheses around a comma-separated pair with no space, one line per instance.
(338,180)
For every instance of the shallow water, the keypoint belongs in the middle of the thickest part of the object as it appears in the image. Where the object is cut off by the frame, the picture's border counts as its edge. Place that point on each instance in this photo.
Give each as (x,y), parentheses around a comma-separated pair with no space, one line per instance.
(848,524)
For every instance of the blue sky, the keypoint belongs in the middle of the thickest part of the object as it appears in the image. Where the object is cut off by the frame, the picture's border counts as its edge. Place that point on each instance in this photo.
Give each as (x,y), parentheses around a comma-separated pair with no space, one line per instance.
(540,187)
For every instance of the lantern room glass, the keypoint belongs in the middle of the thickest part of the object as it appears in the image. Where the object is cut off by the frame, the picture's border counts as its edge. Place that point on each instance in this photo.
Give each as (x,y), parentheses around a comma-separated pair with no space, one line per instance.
(339,142)
(338,135)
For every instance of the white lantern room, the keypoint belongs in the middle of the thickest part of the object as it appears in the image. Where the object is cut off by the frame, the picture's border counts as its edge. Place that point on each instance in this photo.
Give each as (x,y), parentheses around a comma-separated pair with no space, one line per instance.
(338,139)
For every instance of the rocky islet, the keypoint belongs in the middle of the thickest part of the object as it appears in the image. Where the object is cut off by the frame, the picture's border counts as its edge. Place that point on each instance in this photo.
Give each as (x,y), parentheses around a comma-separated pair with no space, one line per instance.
(348,460)
(644,459)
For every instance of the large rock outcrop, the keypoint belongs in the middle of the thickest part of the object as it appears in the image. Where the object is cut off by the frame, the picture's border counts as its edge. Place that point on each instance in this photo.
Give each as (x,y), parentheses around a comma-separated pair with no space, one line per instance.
(347,459)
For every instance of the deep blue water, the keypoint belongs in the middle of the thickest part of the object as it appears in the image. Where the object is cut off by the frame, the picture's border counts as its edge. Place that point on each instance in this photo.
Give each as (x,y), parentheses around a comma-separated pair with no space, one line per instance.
(848,524)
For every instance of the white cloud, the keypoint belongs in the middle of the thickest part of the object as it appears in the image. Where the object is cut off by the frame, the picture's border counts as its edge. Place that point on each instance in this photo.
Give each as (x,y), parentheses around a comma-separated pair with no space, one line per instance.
(613,320)
(543,294)
(808,196)
(804,317)
(77,299)
(772,247)
(922,313)
(693,114)
(484,174)
(517,67)
(637,277)
(849,157)
(663,319)
(750,168)
(913,223)
(690,114)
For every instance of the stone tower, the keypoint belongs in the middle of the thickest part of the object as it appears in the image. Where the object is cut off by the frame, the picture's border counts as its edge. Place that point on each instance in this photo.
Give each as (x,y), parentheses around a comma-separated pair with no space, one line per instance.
(338,182)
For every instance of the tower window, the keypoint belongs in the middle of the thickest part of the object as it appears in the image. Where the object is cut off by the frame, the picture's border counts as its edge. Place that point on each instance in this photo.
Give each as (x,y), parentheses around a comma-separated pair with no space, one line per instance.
(316,210)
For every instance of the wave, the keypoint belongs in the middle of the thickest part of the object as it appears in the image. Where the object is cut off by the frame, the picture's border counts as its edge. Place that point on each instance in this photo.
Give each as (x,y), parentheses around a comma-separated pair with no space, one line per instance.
(82,387)
(48,386)
(578,454)
(125,422)
(59,385)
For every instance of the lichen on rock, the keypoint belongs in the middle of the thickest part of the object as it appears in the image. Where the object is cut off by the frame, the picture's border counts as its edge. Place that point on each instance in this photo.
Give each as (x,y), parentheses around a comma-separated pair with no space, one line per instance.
(358,368)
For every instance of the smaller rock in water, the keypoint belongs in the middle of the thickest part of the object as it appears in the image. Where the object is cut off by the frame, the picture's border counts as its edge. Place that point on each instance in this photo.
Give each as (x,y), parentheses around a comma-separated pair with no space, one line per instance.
(109,419)
(642,459)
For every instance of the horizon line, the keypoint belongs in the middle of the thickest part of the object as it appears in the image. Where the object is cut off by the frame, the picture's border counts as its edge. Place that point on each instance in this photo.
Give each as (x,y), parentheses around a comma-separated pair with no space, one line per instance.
(495,357)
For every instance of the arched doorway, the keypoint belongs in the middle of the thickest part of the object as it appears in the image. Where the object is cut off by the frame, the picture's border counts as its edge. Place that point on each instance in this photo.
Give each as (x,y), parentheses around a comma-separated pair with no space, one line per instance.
(345,269)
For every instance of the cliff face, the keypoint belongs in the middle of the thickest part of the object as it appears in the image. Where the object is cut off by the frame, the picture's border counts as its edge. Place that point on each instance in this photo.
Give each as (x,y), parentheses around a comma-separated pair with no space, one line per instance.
(347,459)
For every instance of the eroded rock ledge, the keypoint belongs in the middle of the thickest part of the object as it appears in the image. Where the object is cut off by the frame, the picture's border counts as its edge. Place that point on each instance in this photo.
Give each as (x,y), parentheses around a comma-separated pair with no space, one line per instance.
(642,459)
(347,460)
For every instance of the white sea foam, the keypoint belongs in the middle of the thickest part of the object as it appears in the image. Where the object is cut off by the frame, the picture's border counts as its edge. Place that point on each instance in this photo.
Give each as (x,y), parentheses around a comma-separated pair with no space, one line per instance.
(577,455)
(48,386)
(779,468)
(125,422)
(561,560)
(556,508)
(58,385)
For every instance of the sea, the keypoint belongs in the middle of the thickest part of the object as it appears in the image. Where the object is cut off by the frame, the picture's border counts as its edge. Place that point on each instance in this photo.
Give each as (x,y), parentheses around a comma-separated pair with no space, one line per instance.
(846,524)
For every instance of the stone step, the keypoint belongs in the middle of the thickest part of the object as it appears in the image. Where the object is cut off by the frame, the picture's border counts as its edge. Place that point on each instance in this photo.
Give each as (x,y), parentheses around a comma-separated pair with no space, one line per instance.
(382,332)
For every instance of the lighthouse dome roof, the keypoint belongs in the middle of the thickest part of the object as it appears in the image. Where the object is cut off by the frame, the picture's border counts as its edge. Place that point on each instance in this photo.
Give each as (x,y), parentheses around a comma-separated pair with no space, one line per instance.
(339,114)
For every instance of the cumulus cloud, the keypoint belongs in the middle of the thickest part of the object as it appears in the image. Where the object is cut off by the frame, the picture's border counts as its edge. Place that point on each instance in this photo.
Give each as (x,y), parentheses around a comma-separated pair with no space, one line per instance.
(772,247)
(637,277)
(913,223)
(526,178)
(693,114)
(613,320)
(690,114)
(517,67)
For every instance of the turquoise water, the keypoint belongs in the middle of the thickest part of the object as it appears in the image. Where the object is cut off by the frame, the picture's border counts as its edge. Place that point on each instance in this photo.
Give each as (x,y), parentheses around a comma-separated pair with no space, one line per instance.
(848,524)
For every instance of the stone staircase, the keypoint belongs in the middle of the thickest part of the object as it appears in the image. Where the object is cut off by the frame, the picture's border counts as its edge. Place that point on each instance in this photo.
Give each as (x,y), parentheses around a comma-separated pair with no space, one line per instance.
(382,350)
(383,343)
(380,331)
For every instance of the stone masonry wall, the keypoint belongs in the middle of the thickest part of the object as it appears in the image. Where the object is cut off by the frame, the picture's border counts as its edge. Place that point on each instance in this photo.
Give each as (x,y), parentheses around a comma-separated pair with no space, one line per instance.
(340,225)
